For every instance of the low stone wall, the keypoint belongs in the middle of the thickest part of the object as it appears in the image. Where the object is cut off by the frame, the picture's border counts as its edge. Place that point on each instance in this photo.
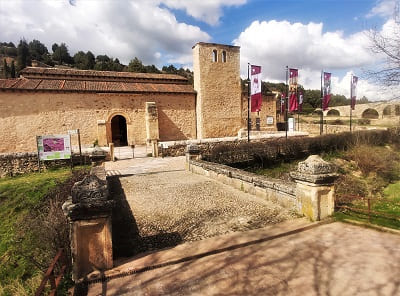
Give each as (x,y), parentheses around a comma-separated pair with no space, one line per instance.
(312,193)
(20,163)
(178,148)
(275,190)
(314,129)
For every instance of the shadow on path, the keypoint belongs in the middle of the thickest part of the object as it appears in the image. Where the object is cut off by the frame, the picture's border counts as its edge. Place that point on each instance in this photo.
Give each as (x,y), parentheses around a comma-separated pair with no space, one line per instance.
(127,241)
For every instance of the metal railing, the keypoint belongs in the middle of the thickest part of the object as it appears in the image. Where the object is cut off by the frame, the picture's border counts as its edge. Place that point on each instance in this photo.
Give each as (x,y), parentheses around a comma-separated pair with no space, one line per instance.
(51,277)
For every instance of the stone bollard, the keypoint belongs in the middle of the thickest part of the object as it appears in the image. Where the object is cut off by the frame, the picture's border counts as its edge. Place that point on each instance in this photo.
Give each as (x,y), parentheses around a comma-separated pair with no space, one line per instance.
(89,212)
(192,153)
(314,187)
(112,156)
(154,148)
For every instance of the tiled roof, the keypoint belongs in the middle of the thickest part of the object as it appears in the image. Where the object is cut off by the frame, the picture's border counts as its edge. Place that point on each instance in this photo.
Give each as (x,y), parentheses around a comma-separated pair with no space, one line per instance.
(75,74)
(92,86)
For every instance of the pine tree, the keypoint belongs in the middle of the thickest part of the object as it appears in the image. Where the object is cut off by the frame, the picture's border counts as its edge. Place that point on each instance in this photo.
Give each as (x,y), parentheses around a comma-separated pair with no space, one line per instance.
(23,56)
(12,70)
(5,69)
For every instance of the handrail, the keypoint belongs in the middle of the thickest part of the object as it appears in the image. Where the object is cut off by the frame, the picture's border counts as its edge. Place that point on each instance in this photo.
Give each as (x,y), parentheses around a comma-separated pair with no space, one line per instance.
(49,275)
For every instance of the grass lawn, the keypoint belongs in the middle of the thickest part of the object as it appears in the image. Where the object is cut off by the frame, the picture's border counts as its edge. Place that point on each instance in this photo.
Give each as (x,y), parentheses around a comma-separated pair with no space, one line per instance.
(18,196)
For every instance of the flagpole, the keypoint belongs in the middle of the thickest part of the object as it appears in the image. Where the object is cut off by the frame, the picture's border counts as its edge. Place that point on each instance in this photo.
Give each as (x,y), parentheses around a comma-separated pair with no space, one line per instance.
(287,101)
(248,102)
(321,127)
(351,97)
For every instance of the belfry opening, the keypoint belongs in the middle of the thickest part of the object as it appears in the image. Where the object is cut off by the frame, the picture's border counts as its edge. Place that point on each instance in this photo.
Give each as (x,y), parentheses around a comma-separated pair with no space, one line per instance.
(119,131)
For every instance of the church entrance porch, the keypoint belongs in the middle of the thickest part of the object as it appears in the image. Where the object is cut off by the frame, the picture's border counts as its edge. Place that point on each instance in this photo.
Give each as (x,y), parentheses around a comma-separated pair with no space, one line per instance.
(119,131)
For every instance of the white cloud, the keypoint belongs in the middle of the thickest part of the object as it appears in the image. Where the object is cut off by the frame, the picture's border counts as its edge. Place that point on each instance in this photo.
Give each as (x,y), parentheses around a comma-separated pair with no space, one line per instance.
(208,11)
(384,8)
(117,28)
(275,44)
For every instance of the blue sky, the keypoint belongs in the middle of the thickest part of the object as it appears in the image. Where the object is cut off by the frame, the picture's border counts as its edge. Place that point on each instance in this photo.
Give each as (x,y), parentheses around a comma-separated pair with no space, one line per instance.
(307,34)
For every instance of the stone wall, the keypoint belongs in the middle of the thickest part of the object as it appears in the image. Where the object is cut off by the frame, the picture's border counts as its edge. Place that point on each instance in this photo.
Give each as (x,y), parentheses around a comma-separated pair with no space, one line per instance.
(178,148)
(21,163)
(312,194)
(314,129)
(278,191)
(23,115)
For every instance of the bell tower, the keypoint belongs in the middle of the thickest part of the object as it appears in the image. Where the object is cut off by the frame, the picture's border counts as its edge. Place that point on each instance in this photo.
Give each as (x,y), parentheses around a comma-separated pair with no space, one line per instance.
(217,83)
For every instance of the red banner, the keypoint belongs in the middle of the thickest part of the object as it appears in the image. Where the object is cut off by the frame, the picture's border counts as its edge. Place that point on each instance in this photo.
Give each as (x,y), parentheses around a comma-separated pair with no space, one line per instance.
(256,95)
(353,91)
(293,103)
(326,91)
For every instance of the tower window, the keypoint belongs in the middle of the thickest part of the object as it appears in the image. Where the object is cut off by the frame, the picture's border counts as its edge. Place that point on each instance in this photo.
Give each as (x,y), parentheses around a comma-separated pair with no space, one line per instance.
(224,56)
(214,57)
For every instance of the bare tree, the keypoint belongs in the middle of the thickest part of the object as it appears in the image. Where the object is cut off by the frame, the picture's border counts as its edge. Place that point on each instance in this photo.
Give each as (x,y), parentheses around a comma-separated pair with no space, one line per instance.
(387,44)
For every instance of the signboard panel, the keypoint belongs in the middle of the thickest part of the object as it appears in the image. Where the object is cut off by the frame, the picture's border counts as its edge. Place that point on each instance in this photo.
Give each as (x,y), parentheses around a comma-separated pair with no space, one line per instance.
(53,147)
(291,123)
(270,120)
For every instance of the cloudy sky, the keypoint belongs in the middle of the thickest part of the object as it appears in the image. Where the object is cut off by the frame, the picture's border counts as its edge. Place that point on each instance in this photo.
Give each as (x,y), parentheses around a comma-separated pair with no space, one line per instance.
(307,34)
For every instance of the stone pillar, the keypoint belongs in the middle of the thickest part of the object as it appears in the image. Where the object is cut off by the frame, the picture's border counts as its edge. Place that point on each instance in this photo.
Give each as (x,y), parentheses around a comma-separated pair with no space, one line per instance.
(89,214)
(112,156)
(192,153)
(154,148)
(314,187)
(152,131)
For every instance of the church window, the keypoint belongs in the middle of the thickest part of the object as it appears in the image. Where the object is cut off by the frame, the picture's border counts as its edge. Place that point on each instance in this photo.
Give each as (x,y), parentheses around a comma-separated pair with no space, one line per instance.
(214,57)
(224,56)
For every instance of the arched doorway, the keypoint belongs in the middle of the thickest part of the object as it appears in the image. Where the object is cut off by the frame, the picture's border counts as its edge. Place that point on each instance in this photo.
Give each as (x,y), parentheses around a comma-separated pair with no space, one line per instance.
(119,131)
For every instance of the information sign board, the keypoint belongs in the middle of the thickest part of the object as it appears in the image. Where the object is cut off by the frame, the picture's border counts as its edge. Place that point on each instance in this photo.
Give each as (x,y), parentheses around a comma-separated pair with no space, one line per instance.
(53,147)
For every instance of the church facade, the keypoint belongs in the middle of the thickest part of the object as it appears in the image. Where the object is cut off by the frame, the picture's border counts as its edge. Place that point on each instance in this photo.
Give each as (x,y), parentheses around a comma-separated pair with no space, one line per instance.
(127,108)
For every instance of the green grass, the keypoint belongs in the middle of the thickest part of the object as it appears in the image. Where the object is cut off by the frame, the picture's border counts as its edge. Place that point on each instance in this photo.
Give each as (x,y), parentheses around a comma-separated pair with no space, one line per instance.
(18,196)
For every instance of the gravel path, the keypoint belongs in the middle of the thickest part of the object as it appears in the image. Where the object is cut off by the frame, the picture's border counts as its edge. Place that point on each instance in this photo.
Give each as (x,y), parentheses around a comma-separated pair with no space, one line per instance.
(170,205)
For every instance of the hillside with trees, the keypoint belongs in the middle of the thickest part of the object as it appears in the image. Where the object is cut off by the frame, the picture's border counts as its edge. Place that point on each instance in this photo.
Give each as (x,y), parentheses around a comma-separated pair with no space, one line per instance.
(15,58)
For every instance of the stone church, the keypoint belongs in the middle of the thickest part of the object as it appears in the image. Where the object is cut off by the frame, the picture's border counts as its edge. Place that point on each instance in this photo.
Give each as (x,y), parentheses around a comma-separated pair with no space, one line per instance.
(129,108)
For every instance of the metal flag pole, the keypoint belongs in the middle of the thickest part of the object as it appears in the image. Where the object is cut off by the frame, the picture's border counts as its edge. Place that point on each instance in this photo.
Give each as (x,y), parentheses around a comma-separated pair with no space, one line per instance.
(248,102)
(287,101)
(351,98)
(321,126)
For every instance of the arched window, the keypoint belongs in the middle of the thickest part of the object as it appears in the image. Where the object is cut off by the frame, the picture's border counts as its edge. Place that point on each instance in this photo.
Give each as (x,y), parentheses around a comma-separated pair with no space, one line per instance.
(224,56)
(214,57)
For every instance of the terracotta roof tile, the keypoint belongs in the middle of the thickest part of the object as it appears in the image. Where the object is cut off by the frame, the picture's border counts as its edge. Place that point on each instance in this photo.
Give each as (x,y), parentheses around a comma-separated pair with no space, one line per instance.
(93,86)
(52,73)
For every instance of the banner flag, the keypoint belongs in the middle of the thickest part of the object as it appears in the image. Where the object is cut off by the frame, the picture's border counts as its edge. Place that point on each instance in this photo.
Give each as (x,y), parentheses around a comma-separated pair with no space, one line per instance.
(326,91)
(293,76)
(301,101)
(353,91)
(293,100)
(283,103)
(256,96)
(293,103)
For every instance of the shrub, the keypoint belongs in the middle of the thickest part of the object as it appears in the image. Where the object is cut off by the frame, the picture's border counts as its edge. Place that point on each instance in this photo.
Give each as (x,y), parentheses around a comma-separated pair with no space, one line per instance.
(364,121)
(272,151)
(381,162)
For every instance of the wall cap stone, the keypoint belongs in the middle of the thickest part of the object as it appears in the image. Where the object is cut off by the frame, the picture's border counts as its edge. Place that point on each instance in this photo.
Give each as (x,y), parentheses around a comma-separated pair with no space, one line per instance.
(315,170)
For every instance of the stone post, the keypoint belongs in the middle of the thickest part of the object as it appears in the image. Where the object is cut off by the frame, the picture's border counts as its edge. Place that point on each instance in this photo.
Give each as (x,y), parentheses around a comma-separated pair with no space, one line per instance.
(314,187)
(192,153)
(112,156)
(89,214)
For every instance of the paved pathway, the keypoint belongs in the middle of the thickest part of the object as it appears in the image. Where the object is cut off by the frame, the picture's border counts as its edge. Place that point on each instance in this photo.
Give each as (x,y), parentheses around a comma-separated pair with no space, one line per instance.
(160,204)
(330,259)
